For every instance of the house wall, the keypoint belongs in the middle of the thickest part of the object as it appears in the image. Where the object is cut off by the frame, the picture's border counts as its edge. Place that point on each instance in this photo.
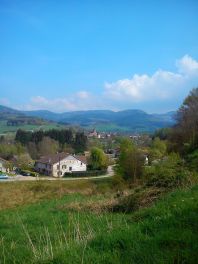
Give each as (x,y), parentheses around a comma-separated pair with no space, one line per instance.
(43,168)
(69,164)
(2,168)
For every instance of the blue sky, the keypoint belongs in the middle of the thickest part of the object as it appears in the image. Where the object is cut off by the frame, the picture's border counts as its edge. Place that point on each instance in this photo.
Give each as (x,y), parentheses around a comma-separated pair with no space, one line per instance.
(80,55)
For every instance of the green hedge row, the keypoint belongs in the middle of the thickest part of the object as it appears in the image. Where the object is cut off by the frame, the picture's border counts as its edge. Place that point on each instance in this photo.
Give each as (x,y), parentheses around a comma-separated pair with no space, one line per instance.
(85,173)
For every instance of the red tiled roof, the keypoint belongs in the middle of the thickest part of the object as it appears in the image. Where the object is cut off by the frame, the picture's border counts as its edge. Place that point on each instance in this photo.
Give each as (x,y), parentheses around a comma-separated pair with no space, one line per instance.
(81,158)
(52,159)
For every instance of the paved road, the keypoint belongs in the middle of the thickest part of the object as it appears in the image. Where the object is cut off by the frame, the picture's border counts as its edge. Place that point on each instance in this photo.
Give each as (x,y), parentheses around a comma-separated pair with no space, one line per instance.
(110,173)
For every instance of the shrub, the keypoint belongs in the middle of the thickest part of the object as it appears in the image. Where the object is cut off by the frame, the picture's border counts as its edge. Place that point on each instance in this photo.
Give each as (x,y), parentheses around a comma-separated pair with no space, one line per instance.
(192,160)
(167,173)
(130,162)
(98,159)
(85,173)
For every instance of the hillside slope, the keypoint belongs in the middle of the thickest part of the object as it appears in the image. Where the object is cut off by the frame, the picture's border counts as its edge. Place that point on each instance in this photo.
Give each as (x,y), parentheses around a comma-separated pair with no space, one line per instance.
(11,120)
(47,232)
(105,120)
(128,120)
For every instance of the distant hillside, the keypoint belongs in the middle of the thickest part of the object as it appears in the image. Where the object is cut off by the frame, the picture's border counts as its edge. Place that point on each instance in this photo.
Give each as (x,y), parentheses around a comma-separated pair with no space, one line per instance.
(11,120)
(106,120)
(102,120)
(6,112)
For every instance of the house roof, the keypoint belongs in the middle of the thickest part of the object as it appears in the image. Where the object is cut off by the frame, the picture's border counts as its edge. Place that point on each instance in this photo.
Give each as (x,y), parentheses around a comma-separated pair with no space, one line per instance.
(52,159)
(81,158)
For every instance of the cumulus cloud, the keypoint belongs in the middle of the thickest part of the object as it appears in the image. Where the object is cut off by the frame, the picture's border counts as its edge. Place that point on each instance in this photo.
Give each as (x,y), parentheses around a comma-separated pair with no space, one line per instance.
(162,91)
(81,100)
(161,85)
(187,65)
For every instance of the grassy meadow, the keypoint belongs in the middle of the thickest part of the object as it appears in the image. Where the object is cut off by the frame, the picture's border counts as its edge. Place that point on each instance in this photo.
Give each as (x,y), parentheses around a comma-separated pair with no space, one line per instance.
(12,129)
(76,222)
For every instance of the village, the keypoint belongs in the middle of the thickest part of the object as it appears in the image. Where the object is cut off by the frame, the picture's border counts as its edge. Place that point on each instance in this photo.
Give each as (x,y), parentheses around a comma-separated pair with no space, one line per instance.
(62,164)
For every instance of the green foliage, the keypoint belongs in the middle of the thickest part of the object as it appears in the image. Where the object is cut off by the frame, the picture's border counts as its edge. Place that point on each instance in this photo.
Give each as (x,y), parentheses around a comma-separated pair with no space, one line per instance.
(80,142)
(186,129)
(162,133)
(98,159)
(90,173)
(23,161)
(192,160)
(9,150)
(158,149)
(168,173)
(48,146)
(49,142)
(130,161)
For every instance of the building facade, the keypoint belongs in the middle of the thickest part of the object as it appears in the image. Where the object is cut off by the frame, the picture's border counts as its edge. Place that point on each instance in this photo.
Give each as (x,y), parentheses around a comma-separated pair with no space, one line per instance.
(3,167)
(57,165)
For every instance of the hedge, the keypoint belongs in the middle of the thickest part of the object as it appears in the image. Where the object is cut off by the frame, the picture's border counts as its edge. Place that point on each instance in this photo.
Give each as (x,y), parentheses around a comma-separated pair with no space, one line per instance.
(85,173)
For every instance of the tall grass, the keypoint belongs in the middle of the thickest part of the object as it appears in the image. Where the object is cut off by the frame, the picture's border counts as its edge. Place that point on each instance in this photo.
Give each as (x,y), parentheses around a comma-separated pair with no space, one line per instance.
(48,232)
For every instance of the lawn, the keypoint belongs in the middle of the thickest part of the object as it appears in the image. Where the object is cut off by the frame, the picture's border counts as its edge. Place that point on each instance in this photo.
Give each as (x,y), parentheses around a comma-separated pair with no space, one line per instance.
(48,228)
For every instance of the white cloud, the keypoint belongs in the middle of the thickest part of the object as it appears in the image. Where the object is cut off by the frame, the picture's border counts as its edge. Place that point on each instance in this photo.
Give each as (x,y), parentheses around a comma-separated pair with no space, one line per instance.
(161,85)
(187,65)
(81,100)
(162,91)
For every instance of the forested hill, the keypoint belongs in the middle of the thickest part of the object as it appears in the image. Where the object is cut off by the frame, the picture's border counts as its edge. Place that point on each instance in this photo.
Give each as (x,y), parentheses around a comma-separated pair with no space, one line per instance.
(127,120)
(13,118)
(106,120)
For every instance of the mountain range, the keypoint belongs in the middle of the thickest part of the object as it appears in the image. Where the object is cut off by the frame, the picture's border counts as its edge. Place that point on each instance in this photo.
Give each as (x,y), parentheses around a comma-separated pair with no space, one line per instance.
(106,120)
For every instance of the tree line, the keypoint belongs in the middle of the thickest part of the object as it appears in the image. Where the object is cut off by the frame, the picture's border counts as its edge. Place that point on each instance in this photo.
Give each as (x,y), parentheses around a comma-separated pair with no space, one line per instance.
(42,142)
(172,153)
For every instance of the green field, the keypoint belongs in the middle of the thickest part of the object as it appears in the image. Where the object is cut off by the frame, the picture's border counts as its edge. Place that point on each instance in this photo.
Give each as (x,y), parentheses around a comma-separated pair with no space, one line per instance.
(61,223)
(110,127)
(7,129)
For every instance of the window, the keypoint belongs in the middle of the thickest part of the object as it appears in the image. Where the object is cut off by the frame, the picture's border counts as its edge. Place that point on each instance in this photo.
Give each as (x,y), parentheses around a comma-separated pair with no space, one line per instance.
(70,168)
(64,167)
(81,163)
(58,167)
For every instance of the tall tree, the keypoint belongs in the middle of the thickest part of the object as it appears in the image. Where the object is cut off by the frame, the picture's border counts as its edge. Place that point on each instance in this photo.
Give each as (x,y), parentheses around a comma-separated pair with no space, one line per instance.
(130,163)
(48,146)
(98,159)
(185,133)
(157,149)
(23,136)
(80,143)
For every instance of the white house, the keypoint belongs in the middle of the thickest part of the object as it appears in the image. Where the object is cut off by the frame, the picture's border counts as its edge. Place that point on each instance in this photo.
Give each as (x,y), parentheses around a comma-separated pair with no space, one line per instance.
(57,165)
(3,165)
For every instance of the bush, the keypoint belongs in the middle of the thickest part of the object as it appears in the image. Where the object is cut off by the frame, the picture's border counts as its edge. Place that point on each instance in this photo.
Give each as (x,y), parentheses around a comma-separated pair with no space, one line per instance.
(140,197)
(192,160)
(130,162)
(98,159)
(167,173)
(85,173)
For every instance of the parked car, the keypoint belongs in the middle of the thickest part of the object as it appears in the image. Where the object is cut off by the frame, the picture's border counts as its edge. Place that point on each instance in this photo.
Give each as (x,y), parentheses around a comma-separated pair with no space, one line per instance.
(3,176)
(24,173)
